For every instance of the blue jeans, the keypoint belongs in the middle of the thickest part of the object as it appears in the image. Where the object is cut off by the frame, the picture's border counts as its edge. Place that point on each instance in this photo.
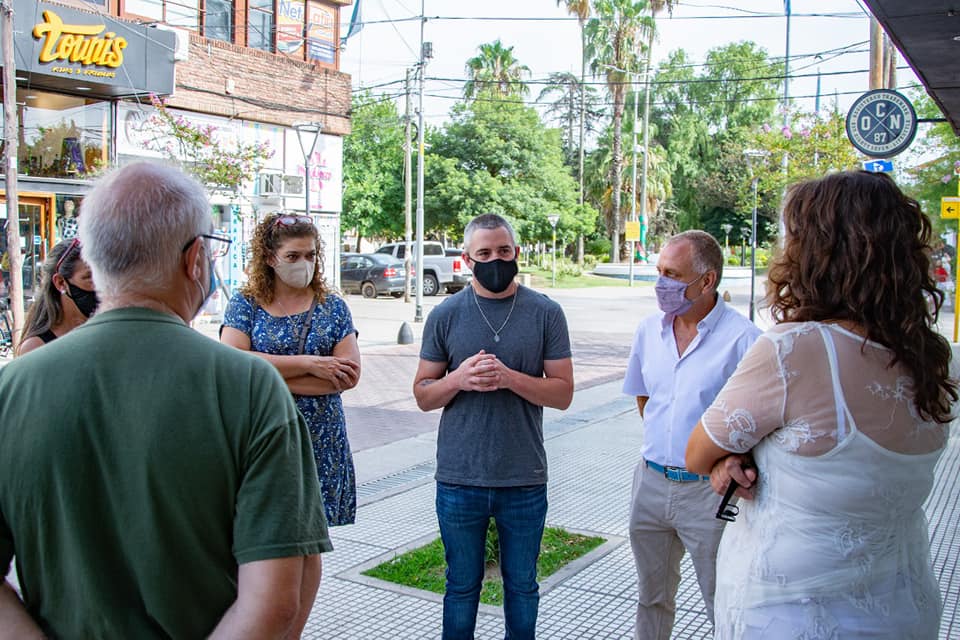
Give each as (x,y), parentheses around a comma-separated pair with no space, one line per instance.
(520,513)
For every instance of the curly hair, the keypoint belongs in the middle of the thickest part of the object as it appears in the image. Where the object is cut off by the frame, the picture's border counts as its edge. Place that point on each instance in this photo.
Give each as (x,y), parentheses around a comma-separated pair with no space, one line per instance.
(858,249)
(266,241)
(47,310)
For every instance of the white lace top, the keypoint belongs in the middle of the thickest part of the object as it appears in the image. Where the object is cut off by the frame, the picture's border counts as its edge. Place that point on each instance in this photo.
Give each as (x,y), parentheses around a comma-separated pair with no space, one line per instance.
(835,543)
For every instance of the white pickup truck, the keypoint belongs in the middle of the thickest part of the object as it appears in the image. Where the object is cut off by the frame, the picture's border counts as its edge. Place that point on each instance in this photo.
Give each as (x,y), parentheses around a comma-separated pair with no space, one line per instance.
(440,271)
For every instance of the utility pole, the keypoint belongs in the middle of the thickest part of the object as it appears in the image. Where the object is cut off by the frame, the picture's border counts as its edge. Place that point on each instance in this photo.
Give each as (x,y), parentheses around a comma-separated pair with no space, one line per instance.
(407,188)
(876,54)
(644,222)
(10,170)
(426,52)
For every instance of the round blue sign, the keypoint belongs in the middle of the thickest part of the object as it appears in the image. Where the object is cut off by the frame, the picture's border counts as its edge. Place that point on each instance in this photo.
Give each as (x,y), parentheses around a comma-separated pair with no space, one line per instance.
(881,123)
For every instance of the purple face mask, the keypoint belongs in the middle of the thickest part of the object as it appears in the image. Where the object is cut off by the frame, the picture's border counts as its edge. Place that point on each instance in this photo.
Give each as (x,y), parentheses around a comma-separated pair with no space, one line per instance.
(671,295)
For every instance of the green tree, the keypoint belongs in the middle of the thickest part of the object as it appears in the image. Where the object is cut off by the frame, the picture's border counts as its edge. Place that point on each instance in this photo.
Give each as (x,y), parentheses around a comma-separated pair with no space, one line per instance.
(373,169)
(570,94)
(615,37)
(936,159)
(496,73)
(200,151)
(581,9)
(702,117)
(498,157)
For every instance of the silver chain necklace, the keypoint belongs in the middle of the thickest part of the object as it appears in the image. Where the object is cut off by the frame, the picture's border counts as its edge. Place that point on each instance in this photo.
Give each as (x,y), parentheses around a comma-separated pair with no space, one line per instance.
(293,323)
(496,332)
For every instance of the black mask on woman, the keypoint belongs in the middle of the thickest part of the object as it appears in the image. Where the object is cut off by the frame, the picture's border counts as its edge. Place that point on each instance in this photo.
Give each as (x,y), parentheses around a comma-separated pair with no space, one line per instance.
(86,301)
(496,275)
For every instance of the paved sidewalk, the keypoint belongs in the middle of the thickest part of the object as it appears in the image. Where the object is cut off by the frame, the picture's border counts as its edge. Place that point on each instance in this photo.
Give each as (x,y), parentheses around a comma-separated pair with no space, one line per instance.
(592,449)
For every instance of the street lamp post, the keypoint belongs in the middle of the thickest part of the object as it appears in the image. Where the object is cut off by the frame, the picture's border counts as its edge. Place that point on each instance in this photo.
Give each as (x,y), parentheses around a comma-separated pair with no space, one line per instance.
(554,218)
(744,234)
(304,131)
(753,155)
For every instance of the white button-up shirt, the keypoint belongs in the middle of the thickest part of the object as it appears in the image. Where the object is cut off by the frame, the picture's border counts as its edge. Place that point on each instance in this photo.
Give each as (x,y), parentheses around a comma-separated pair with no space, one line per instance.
(680,388)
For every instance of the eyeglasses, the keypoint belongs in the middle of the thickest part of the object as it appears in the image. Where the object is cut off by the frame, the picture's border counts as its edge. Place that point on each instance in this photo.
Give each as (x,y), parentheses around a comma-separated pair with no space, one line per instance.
(290,220)
(218,246)
(74,246)
(727,511)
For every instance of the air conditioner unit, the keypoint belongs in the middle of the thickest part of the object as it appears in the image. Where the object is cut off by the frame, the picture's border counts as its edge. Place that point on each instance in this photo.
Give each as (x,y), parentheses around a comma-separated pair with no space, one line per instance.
(269,184)
(293,185)
(181,51)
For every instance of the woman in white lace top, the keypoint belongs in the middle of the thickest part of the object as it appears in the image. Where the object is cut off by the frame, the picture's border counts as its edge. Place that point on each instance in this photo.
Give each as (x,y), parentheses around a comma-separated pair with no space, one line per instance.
(843,409)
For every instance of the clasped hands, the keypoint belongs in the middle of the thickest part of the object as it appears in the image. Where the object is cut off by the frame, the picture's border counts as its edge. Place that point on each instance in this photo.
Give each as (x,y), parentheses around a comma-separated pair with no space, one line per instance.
(482,372)
(342,373)
(739,468)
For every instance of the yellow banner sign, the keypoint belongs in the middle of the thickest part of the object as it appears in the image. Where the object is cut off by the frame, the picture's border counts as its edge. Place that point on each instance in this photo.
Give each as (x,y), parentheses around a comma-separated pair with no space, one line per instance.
(632,231)
(78,43)
(950,208)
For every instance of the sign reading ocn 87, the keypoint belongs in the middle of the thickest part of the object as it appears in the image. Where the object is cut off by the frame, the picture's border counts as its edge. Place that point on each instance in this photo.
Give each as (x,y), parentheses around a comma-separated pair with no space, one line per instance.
(881,123)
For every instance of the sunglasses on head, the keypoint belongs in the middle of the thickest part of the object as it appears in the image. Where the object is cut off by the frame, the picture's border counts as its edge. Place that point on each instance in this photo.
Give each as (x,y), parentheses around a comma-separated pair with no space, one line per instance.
(290,220)
(74,246)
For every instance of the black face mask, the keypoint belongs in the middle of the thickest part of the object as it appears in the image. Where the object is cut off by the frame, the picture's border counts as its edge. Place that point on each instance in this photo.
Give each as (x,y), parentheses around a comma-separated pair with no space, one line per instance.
(495,276)
(86,301)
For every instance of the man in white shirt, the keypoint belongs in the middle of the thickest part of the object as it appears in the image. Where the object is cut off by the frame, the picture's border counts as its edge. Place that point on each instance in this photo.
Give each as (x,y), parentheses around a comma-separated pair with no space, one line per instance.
(681,358)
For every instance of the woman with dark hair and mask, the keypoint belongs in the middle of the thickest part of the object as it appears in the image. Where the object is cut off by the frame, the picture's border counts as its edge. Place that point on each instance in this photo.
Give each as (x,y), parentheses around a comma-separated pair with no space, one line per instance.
(843,409)
(66,297)
(286,315)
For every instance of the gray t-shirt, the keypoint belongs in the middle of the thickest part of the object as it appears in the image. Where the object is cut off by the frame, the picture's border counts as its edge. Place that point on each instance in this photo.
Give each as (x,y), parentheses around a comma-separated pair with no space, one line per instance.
(494,438)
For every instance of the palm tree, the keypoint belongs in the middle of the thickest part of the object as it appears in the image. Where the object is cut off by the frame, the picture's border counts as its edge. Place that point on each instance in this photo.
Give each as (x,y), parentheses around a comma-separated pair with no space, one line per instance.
(615,39)
(495,71)
(581,9)
(656,6)
(573,97)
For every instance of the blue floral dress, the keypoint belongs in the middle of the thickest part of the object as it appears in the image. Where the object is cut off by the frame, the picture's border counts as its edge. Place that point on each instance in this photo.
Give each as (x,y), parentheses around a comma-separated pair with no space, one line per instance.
(332,323)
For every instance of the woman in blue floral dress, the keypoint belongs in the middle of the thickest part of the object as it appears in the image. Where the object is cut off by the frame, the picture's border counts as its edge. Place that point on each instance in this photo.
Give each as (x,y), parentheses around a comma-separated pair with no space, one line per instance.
(286,315)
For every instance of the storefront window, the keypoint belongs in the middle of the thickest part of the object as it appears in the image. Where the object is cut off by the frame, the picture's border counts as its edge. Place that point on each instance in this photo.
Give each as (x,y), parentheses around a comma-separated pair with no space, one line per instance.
(62,136)
(218,21)
(261,23)
(183,13)
(146,8)
(176,13)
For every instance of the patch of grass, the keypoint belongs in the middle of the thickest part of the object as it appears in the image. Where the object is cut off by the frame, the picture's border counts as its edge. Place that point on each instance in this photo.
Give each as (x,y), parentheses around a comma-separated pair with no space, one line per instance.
(424,567)
(543,279)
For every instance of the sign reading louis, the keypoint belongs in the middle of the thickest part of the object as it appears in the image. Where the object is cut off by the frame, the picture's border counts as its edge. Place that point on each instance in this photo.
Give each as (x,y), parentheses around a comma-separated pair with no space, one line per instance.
(881,123)
(78,43)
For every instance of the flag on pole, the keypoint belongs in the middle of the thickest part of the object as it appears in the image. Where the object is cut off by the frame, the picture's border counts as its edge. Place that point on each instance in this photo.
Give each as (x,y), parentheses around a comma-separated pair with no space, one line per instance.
(356,23)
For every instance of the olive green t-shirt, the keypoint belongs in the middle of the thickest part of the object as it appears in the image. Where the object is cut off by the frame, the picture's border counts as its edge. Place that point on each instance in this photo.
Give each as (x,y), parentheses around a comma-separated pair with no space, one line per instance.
(140,463)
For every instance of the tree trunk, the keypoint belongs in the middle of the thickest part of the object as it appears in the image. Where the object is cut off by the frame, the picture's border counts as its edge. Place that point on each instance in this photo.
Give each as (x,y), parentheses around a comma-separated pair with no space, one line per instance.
(583,111)
(617,169)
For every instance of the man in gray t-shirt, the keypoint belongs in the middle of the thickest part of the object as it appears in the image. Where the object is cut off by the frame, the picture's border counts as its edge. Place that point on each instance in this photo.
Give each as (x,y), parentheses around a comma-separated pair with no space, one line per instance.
(492,357)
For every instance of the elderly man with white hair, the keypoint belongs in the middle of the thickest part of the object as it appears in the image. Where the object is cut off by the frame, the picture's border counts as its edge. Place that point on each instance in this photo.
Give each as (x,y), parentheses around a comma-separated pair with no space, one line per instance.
(154,483)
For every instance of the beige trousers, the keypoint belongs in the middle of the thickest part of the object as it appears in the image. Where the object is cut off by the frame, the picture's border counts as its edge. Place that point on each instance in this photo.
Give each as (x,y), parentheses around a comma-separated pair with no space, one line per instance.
(667,517)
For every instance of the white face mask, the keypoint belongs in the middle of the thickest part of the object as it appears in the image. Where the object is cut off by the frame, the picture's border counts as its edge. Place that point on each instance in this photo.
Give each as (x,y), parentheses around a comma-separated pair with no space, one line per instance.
(297,274)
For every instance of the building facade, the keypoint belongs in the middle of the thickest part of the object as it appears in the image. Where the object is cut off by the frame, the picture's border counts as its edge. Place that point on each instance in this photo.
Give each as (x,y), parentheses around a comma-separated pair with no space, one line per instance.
(88,70)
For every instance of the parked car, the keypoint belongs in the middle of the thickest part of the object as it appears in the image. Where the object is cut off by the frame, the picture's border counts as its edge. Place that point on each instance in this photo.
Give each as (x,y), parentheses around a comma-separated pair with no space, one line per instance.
(453,251)
(371,274)
(440,271)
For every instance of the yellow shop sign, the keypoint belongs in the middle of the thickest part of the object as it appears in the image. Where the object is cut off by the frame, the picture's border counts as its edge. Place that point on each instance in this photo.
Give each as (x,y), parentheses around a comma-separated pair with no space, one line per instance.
(78,43)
